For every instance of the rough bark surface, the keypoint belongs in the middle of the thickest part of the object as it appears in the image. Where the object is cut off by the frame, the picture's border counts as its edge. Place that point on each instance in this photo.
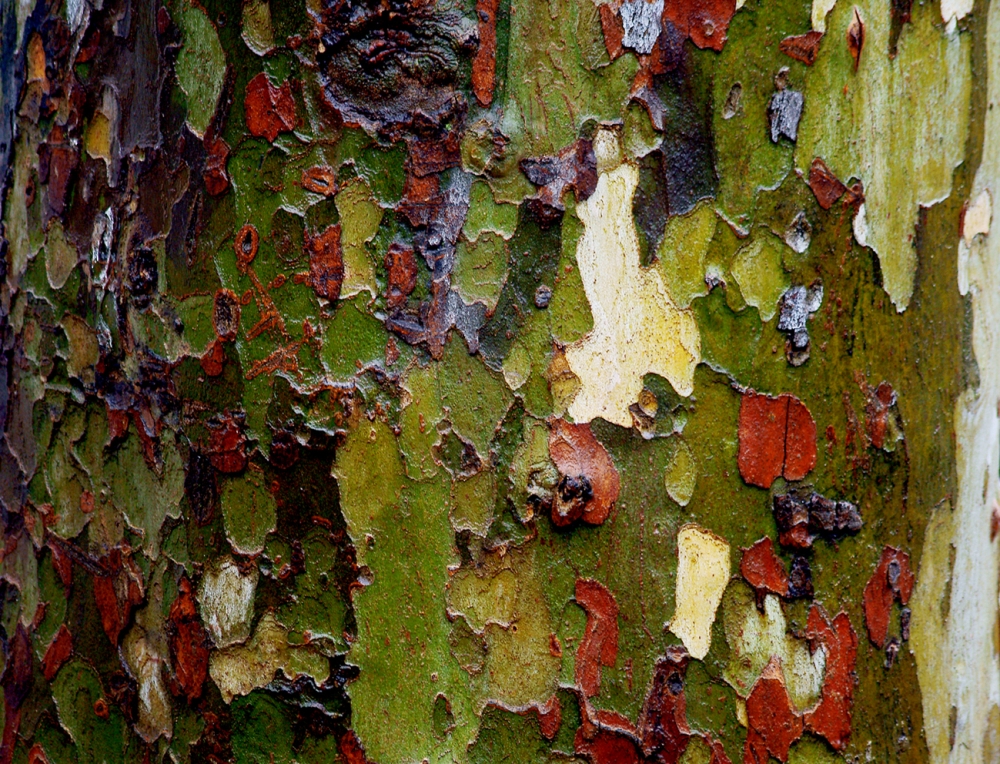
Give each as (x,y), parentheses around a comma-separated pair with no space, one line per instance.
(499,380)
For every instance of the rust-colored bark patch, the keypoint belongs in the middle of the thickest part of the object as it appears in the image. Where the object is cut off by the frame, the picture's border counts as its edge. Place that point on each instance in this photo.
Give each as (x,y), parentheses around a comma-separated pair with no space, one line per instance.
(188,641)
(401,265)
(599,646)
(777,438)
(772,724)
(892,581)
(826,187)
(484,65)
(803,47)
(763,569)
(215,175)
(856,37)
(57,653)
(704,21)
(227,442)
(831,718)
(269,110)
(320,180)
(118,591)
(326,263)
(589,483)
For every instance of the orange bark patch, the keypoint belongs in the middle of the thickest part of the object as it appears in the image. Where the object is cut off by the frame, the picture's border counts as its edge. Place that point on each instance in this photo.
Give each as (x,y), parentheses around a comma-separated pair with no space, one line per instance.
(831,718)
(589,483)
(777,437)
(599,646)
(326,263)
(269,110)
(57,653)
(484,65)
(892,581)
(763,569)
(772,724)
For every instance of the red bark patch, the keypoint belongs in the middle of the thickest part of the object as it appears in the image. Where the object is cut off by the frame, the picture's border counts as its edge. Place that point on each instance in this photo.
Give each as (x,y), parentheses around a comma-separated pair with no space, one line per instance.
(831,718)
(326,263)
(589,483)
(188,642)
(320,180)
(269,110)
(227,446)
(118,591)
(599,646)
(401,265)
(215,175)
(802,47)
(484,65)
(772,723)
(57,653)
(763,569)
(777,437)
(704,21)
(826,187)
(891,582)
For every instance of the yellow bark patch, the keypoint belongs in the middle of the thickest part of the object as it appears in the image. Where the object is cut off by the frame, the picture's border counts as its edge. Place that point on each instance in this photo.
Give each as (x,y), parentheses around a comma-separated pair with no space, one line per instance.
(637,327)
(702,576)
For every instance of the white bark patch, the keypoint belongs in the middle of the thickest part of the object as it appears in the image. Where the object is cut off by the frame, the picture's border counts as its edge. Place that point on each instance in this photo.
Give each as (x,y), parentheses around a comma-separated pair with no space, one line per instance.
(226,599)
(637,327)
(702,576)
(957,661)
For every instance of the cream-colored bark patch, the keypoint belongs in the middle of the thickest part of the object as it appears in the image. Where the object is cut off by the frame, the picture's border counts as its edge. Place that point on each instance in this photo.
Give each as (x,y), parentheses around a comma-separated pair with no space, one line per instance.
(239,670)
(702,576)
(755,636)
(226,599)
(957,659)
(978,216)
(637,327)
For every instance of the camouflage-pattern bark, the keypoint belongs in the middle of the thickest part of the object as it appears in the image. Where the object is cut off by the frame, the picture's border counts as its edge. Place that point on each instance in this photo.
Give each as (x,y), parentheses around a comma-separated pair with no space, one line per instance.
(499,380)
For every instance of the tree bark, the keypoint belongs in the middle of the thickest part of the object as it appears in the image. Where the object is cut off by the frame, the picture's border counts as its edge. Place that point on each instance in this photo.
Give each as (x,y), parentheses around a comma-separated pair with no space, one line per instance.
(440,381)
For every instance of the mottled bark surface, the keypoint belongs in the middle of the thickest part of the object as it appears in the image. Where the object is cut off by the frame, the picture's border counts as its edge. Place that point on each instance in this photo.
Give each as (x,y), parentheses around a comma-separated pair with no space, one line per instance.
(499,380)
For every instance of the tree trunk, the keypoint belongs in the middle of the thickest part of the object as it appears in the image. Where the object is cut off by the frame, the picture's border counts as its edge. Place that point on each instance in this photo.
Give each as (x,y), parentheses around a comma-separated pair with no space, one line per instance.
(608,381)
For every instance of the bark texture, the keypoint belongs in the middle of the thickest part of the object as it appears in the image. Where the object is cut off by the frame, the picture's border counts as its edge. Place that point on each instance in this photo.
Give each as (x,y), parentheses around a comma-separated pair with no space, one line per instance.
(499,380)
